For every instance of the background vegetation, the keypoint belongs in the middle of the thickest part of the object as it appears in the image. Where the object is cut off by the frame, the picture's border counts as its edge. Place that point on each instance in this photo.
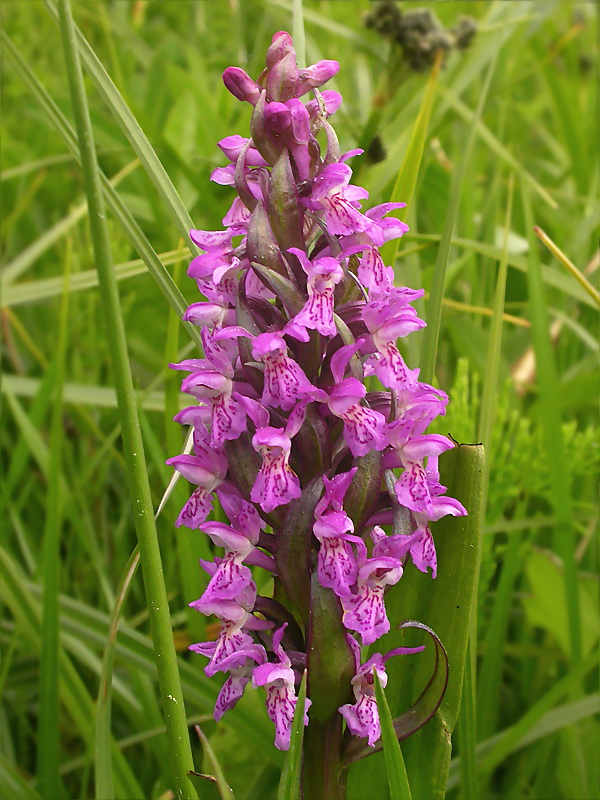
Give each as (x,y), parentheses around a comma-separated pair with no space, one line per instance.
(528,387)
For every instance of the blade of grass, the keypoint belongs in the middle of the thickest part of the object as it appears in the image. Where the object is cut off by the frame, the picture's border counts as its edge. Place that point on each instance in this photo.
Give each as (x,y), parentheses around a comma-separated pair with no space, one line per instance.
(552,277)
(225,791)
(514,734)
(566,262)
(48,775)
(434,308)
(468,718)
(409,169)
(394,763)
(36,291)
(17,594)
(130,127)
(550,412)
(291,774)
(103,771)
(549,723)
(98,396)
(180,754)
(117,207)
(495,146)
(27,257)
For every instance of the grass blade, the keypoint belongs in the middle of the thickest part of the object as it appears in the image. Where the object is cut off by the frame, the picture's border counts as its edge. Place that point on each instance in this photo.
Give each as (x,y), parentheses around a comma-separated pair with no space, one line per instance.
(550,412)
(409,169)
(117,207)
(49,781)
(170,687)
(566,262)
(444,605)
(225,791)
(434,309)
(394,763)
(291,774)
(550,722)
(103,771)
(130,127)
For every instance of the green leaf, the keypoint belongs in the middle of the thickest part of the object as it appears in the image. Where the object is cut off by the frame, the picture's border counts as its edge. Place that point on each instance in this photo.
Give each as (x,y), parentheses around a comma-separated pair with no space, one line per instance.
(394,763)
(444,605)
(423,710)
(291,774)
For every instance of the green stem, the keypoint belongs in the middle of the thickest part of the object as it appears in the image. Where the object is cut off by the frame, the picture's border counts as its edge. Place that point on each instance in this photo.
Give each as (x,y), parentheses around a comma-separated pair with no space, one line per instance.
(180,754)
(322,760)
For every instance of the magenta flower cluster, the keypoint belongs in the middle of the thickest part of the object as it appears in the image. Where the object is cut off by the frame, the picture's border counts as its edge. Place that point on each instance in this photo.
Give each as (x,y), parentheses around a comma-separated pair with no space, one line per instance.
(299,311)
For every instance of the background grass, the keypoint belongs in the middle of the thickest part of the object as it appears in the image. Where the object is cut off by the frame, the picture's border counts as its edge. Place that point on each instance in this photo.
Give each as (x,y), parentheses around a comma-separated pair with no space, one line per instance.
(528,386)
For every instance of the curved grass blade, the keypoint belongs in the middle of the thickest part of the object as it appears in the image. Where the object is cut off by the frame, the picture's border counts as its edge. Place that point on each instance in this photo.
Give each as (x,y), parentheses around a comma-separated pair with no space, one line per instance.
(289,785)
(225,791)
(180,753)
(394,763)
(103,772)
(425,707)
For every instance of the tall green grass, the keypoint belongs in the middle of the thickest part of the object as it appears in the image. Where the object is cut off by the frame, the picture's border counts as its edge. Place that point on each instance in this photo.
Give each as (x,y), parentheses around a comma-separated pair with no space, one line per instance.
(76,620)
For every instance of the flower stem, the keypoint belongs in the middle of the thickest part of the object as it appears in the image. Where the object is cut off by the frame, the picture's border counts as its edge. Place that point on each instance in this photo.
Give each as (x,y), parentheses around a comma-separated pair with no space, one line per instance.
(180,755)
(322,760)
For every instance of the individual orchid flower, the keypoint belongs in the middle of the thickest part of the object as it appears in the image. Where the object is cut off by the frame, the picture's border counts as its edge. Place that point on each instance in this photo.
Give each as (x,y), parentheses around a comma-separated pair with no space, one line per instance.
(338,200)
(386,321)
(412,488)
(362,717)
(364,428)
(285,382)
(323,275)
(240,666)
(364,610)
(276,483)
(279,682)
(206,469)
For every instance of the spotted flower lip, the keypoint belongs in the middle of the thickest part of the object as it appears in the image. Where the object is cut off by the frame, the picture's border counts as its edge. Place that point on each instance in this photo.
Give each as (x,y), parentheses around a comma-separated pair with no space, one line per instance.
(299,315)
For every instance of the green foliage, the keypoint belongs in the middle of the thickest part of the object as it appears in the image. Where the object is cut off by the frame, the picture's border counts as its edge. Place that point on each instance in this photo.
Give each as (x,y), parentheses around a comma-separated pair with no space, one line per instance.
(534,707)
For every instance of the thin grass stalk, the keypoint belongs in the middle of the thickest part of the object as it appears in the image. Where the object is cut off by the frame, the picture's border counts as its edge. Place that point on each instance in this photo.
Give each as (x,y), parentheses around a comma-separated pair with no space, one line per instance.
(103,767)
(48,775)
(180,754)
(434,309)
(549,404)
